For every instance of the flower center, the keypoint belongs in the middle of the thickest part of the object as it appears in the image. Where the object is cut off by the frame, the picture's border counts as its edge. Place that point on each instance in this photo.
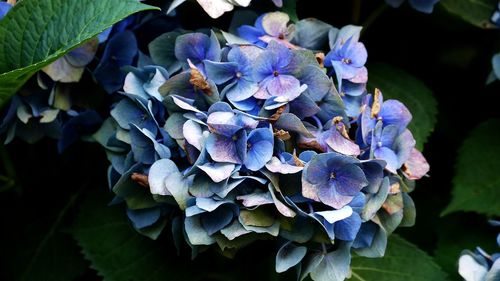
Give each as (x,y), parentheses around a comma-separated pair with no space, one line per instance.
(281,36)
(276,73)
(333,175)
(238,74)
(346,60)
(235,138)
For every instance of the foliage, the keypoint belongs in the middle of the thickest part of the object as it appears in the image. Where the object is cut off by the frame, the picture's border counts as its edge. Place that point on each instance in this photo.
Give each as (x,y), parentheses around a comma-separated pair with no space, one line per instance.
(278,150)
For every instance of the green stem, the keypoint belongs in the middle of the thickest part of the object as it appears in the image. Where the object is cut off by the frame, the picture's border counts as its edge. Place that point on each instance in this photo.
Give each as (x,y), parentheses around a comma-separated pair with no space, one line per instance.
(356,11)
(52,230)
(374,16)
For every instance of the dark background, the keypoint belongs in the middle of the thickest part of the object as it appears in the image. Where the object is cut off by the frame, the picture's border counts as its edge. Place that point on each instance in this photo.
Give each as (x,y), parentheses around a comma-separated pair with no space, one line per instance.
(450,56)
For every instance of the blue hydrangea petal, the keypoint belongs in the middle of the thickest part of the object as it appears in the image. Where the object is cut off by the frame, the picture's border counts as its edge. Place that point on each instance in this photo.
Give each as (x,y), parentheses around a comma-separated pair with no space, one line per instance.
(348,228)
(250,33)
(84,54)
(243,89)
(424,6)
(389,157)
(365,236)
(4,9)
(349,180)
(495,61)
(216,220)
(120,51)
(220,72)
(394,112)
(288,256)
(142,218)
(261,143)
(158,172)
(196,233)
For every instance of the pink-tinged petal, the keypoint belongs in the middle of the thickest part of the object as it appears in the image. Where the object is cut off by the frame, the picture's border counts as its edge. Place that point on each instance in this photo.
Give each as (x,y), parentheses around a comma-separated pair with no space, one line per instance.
(309,190)
(275,23)
(416,166)
(332,198)
(339,143)
(262,93)
(268,39)
(274,165)
(224,123)
(283,85)
(217,171)
(256,199)
(361,76)
(403,146)
(222,149)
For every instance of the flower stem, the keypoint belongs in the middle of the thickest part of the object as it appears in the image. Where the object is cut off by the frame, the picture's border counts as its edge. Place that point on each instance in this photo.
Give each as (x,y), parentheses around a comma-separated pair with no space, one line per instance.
(356,11)
(374,16)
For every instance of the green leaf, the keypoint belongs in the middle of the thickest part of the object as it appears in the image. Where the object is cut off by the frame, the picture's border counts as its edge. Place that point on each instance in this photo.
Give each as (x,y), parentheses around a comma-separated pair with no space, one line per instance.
(39,248)
(459,232)
(36,33)
(476,12)
(117,251)
(290,8)
(402,261)
(397,84)
(476,185)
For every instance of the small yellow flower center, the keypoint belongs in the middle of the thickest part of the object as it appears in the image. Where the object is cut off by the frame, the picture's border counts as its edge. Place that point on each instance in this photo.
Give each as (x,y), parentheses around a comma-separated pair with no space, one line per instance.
(276,73)
(346,61)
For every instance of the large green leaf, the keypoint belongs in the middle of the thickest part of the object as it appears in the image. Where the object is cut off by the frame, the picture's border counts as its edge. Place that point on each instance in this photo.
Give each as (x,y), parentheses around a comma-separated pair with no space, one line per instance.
(476,12)
(117,251)
(402,261)
(35,33)
(476,185)
(468,232)
(397,84)
(38,247)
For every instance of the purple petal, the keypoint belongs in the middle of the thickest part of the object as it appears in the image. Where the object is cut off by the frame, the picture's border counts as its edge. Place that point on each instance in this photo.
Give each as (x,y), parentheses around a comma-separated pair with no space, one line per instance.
(394,112)
(339,143)
(389,157)
(350,179)
(226,149)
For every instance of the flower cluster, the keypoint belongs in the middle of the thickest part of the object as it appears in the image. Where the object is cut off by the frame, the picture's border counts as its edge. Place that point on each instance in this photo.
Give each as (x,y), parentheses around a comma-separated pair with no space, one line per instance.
(241,137)
(479,265)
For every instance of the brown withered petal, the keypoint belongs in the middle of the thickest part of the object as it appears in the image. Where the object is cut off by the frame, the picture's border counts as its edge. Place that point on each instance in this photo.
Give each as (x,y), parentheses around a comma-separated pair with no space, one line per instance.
(140,179)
